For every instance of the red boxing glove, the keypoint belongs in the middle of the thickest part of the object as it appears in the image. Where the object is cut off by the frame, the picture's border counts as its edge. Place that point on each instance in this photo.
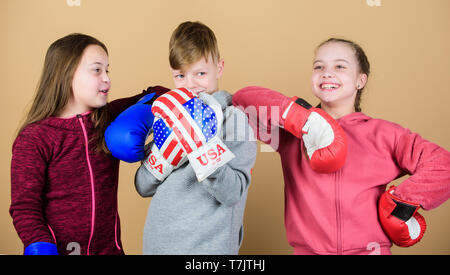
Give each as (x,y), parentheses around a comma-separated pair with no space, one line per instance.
(325,141)
(400,219)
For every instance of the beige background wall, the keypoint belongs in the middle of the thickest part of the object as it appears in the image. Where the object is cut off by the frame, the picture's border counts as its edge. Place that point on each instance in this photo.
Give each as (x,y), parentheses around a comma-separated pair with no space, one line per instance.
(268,43)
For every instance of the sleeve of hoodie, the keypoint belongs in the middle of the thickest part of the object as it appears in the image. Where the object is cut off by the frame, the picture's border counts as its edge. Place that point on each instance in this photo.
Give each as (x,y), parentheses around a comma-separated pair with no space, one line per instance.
(119,105)
(428,166)
(263,108)
(229,183)
(30,155)
(144,182)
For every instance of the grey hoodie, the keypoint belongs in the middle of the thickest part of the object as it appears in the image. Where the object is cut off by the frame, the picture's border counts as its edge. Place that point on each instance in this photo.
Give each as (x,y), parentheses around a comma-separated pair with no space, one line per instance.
(190,217)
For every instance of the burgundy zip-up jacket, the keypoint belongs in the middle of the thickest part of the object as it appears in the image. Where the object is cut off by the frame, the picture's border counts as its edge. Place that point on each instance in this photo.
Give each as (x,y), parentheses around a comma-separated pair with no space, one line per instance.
(62,191)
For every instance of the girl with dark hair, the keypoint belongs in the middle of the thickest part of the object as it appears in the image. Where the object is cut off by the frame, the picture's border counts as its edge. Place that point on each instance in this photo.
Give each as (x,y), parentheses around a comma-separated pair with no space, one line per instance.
(63,178)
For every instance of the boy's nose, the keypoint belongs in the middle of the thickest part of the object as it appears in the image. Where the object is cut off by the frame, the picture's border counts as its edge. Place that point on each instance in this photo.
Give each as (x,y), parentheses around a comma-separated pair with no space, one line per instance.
(190,83)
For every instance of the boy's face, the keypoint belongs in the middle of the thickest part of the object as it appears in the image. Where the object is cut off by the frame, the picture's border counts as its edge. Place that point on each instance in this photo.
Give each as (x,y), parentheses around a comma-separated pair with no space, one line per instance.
(200,76)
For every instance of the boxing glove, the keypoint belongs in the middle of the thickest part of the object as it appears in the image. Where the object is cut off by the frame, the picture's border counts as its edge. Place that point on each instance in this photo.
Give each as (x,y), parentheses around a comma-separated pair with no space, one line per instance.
(325,141)
(166,153)
(196,123)
(41,248)
(400,220)
(125,136)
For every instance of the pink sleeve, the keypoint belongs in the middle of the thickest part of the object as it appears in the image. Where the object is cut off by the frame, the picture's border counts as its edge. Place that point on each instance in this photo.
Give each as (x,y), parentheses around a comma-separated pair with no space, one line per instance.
(429,167)
(263,108)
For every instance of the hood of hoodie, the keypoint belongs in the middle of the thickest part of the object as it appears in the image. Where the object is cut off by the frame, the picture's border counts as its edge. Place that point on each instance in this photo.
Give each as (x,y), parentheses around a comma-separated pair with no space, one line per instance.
(71,123)
(354,118)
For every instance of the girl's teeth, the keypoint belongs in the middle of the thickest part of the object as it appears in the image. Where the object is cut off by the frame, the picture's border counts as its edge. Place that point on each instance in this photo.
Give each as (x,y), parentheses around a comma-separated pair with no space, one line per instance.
(329,86)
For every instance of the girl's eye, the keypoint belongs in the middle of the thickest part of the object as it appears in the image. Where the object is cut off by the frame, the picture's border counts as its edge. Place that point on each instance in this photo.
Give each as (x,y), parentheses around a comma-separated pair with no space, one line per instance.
(179,76)
(318,67)
(340,67)
(201,73)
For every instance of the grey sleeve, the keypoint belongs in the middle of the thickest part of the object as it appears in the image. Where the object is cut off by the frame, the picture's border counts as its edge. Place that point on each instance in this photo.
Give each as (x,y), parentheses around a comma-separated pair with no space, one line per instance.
(145,183)
(230,182)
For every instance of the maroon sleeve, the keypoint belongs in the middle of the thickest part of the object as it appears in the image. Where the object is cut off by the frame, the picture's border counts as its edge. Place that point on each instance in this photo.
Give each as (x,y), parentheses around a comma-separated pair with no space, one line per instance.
(28,177)
(119,105)
(429,167)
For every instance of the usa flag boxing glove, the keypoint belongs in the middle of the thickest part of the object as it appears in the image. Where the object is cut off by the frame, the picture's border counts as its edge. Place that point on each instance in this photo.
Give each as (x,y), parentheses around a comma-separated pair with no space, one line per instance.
(166,153)
(196,123)
(400,220)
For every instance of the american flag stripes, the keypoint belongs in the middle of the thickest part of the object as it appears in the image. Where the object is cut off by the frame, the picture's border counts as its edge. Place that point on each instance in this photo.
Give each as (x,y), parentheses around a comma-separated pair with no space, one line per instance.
(193,122)
(166,142)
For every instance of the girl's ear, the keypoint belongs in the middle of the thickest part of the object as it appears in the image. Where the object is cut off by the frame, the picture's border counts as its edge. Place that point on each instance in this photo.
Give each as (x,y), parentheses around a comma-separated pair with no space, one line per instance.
(361,82)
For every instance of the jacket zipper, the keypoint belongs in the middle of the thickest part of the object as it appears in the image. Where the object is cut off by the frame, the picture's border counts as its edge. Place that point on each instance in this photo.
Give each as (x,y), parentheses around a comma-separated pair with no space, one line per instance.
(338,212)
(52,232)
(115,233)
(80,119)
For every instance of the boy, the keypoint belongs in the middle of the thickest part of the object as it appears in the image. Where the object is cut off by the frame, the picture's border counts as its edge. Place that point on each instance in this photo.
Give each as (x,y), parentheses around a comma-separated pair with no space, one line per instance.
(188,215)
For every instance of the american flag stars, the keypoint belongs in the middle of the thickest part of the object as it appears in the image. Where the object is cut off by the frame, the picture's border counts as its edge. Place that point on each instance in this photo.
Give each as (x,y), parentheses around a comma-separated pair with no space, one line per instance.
(203,116)
(160,132)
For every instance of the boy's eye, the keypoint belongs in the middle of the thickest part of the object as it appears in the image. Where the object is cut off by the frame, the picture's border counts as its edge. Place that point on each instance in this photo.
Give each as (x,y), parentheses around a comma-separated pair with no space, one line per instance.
(179,76)
(318,67)
(340,67)
(201,73)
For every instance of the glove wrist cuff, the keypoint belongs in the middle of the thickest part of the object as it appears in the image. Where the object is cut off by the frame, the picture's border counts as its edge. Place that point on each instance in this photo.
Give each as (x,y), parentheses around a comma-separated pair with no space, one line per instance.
(403,209)
(206,159)
(157,165)
(295,115)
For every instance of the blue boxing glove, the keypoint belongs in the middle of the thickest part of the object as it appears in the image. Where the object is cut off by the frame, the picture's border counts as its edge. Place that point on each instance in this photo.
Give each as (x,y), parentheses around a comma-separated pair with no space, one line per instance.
(41,248)
(125,136)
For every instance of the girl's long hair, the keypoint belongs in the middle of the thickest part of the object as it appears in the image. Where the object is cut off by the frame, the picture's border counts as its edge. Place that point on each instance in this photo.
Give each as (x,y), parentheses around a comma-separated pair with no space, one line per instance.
(54,88)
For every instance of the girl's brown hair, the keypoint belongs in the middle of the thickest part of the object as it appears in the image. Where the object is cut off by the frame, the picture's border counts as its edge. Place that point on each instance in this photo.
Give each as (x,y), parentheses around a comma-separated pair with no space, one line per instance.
(363,62)
(54,88)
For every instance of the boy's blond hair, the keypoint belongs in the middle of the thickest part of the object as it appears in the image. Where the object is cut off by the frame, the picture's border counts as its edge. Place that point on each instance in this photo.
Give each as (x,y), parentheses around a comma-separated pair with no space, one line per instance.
(190,42)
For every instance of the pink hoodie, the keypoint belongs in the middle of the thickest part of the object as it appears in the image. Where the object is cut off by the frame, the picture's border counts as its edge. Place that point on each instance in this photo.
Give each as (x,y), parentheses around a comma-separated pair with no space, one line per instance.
(336,213)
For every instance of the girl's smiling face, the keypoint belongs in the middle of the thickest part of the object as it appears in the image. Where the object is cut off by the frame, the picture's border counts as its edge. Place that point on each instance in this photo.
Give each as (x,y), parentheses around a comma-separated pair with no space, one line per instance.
(336,76)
